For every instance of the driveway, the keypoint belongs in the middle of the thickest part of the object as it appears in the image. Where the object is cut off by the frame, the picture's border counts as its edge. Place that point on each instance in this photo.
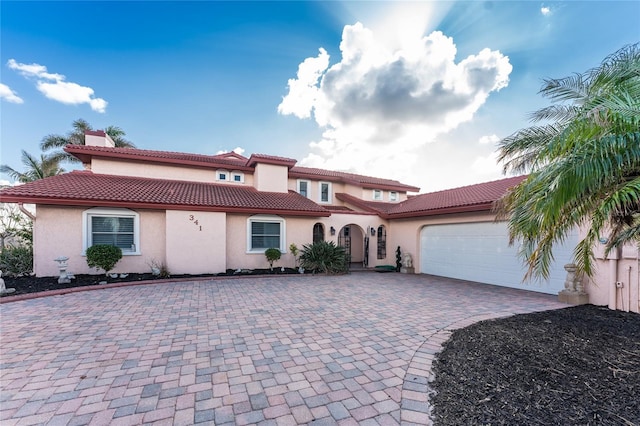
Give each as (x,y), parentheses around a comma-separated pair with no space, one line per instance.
(353,349)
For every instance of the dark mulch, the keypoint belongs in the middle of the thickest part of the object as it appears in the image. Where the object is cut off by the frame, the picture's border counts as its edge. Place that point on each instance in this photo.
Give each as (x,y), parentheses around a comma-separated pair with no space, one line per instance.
(24,285)
(574,366)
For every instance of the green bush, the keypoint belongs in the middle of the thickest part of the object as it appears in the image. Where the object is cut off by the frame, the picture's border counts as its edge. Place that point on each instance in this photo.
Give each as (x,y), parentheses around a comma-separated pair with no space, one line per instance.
(325,257)
(103,256)
(272,255)
(17,261)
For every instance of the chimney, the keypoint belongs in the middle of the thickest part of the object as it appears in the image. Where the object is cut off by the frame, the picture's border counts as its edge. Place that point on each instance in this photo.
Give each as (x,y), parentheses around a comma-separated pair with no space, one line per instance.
(98,138)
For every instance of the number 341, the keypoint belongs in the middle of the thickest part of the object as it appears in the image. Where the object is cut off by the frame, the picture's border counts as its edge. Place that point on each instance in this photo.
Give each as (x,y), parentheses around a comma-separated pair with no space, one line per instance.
(193,219)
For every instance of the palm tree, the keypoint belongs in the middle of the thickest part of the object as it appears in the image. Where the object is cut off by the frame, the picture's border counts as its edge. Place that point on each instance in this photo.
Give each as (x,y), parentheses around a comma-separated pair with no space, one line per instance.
(45,166)
(583,165)
(76,137)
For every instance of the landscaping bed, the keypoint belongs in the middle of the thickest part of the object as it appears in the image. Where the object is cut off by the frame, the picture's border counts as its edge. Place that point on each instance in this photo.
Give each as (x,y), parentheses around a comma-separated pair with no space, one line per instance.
(574,366)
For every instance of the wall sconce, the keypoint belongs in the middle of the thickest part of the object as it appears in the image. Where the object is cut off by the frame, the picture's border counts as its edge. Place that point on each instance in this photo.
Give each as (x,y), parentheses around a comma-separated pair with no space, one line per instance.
(373,232)
(332,230)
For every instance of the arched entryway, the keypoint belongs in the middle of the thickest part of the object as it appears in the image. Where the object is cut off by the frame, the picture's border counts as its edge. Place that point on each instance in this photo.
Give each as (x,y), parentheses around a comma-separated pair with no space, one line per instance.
(352,238)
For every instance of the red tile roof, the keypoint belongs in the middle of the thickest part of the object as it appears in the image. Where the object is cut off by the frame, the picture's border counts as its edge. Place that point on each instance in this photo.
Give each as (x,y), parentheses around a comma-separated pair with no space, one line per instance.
(476,197)
(228,160)
(364,181)
(378,207)
(270,159)
(84,188)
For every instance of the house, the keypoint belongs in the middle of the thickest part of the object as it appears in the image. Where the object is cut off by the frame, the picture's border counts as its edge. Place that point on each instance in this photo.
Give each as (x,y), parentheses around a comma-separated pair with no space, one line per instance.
(210,213)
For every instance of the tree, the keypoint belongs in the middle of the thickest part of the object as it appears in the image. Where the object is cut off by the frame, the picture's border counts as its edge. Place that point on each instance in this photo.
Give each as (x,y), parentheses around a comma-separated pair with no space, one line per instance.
(583,165)
(76,137)
(14,225)
(45,166)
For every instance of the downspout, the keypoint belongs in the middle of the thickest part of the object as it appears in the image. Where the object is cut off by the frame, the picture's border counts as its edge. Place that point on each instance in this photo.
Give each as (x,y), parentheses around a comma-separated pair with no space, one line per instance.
(613,279)
(26,212)
(629,268)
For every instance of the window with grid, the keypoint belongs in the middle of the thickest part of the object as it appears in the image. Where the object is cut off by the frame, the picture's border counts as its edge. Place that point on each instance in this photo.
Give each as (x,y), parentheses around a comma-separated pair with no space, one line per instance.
(303,188)
(325,192)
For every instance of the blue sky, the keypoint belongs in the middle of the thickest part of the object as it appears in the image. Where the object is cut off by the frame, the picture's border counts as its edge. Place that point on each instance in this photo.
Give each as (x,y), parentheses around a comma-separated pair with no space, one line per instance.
(415,91)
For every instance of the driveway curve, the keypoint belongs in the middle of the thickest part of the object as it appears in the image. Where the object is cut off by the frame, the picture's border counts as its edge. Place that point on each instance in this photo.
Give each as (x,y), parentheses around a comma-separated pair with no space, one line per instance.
(353,349)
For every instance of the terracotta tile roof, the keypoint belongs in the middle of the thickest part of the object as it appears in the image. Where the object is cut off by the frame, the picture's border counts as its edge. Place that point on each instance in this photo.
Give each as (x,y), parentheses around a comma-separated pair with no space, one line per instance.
(476,197)
(378,207)
(86,188)
(364,181)
(270,159)
(227,160)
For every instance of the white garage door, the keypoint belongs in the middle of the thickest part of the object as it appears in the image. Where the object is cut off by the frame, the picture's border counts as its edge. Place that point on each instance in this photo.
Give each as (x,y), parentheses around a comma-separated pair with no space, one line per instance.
(480,252)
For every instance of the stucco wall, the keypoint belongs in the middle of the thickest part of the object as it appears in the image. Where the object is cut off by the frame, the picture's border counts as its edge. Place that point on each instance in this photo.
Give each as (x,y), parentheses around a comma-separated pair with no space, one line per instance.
(57,232)
(196,242)
(161,171)
(619,266)
(270,178)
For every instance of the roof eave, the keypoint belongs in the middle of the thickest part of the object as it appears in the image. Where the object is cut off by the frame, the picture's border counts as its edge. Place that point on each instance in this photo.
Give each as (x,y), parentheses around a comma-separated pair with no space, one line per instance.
(487,206)
(69,202)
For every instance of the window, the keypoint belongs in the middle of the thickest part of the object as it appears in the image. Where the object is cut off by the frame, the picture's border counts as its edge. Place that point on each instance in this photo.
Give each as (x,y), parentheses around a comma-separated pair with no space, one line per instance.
(222,175)
(237,177)
(325,192)
(393,196)
(377,195)
(264,232)
(303,188)
(318,232)
(382,242)
(116,227)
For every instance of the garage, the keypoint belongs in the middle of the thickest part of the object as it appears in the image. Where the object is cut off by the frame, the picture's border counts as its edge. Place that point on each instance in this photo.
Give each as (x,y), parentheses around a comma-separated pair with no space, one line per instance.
(480,252)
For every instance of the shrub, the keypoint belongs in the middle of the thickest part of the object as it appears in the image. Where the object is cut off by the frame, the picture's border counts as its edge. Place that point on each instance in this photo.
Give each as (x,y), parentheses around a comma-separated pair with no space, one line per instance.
(325,257)
(272,255)
(17,261)
(103,256)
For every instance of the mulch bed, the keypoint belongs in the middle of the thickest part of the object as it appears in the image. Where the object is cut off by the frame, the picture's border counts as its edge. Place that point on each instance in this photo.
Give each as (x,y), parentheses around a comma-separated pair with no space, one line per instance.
(573,366)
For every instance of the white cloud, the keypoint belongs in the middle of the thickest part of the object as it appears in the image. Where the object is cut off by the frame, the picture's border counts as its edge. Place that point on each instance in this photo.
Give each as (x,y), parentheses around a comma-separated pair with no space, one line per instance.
(545,10)
(237,150)
(489,139)
(9,95)
(487,167)
(54,86)
(382,101)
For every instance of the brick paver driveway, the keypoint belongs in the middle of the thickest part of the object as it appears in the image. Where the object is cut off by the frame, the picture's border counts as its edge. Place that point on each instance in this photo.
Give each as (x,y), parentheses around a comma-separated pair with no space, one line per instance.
(352,349)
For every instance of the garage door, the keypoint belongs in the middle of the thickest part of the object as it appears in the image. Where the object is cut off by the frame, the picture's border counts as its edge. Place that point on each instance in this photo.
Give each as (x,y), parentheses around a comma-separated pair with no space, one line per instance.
(480,252)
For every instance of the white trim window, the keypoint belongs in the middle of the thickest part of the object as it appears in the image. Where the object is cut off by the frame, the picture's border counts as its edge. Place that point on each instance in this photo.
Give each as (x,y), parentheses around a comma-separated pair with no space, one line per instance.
(325,192)
(304,186)
(265,232)
(237,177)
(117,227)
(377,195)
(393,196)
(222,175)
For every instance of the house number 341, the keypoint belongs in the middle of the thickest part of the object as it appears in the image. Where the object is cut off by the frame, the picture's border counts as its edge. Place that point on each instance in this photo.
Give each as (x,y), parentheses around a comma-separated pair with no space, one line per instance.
(194,220)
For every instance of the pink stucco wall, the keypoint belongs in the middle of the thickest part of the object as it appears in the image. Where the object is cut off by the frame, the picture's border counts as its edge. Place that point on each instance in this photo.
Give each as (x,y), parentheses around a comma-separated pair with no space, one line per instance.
(161,171)
(619,266)
(58,232)
(270,178)
(195,242)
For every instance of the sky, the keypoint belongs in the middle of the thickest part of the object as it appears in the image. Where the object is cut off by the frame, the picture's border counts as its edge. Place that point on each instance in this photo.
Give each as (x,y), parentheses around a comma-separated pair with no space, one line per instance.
(420,92)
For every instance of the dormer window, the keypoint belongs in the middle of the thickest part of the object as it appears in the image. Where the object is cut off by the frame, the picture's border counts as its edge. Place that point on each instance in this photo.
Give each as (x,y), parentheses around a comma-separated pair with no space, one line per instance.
(237,177)
(222,175)
(393,196)
(377,195)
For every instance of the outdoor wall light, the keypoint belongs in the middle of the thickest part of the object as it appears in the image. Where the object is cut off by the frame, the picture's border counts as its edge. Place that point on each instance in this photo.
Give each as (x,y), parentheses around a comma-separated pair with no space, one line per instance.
(332,230)
(373,232)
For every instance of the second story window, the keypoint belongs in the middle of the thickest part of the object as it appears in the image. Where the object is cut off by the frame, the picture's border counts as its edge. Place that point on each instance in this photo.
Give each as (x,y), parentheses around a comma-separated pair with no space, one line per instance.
(325,192)
(377,195)
(393,196)
(303,188)
(222,175)
(237,177)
